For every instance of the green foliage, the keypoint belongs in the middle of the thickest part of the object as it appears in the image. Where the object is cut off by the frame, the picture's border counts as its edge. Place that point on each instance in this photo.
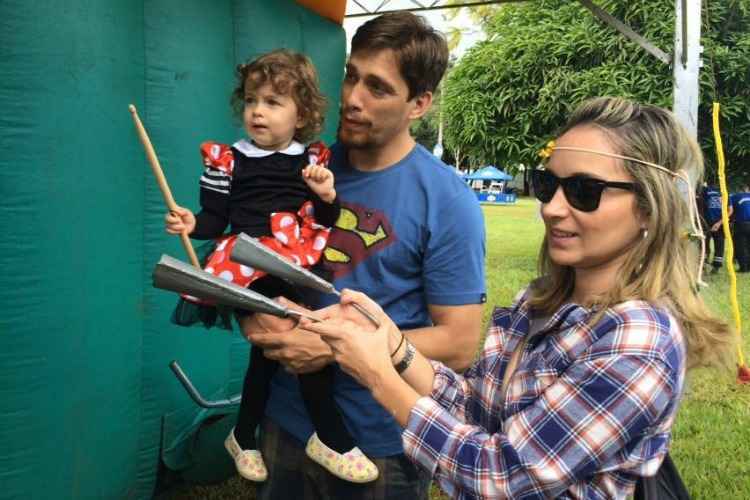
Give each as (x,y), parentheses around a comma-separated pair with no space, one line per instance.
(425,130)
(508,95)
(480,14)
(725,78)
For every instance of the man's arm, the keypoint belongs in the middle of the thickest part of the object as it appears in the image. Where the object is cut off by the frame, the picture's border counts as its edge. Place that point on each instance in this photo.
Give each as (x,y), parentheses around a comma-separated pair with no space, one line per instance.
(453,340)
(453,272)
(455,336)
(716,226)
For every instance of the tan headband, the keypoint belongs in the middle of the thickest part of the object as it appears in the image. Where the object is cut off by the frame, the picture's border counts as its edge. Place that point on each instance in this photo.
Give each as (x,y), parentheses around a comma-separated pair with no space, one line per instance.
(621,157)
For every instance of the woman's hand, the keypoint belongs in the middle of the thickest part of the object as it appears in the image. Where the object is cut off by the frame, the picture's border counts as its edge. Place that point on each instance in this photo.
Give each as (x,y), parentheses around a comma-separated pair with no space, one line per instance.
(362,352)
(365,354)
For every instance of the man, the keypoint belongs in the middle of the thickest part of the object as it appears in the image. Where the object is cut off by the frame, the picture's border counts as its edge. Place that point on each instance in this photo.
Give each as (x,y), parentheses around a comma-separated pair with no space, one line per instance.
(741,208)
(712,216)
(411,236)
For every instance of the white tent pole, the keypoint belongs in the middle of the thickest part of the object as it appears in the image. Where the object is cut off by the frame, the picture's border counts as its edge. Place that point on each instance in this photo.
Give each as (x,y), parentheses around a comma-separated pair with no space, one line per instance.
(686,65)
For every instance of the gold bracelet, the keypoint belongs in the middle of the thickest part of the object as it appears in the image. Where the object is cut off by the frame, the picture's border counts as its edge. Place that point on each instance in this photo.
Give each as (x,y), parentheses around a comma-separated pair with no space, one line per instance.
(399,345)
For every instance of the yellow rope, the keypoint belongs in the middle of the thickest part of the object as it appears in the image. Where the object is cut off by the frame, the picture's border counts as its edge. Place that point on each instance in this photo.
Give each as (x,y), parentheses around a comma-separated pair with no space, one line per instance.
(728,234)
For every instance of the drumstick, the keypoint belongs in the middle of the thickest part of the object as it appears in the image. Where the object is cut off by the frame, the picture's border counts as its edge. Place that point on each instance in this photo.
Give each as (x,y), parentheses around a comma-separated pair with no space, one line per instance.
(162,181)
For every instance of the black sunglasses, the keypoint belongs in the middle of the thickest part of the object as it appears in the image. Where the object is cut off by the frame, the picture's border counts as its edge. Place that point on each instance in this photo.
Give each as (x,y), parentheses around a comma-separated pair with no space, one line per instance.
(583,193)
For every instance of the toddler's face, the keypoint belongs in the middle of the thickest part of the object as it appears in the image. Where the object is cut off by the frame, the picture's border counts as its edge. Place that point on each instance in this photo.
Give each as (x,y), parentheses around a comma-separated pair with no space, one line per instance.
(271,119)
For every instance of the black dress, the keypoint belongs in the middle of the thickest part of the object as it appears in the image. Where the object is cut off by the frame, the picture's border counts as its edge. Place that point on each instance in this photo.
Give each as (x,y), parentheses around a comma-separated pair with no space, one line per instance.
(240,188)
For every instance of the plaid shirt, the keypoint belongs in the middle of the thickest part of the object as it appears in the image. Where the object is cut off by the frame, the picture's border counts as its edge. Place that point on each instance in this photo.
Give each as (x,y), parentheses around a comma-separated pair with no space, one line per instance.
(588,409)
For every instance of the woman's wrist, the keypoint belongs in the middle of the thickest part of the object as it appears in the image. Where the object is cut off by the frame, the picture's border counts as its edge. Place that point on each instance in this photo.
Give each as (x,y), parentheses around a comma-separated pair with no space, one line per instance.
(384,383)
(406,359)
(399,351)
(395,340)
(394,394)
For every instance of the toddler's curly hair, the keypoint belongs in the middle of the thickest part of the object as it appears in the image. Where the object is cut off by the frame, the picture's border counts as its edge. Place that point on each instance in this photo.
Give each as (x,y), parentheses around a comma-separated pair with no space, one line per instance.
(289,73)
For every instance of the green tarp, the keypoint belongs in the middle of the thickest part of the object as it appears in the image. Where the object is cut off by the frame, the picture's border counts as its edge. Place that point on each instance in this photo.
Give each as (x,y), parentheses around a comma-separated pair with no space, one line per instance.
(88,405)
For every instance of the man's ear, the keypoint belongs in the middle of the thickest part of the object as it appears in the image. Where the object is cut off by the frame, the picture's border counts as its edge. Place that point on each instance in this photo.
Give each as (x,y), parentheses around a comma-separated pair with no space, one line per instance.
(422,104)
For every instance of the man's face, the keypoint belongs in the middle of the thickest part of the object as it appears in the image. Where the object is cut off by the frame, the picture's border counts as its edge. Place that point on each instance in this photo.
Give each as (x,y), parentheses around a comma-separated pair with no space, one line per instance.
(374,101)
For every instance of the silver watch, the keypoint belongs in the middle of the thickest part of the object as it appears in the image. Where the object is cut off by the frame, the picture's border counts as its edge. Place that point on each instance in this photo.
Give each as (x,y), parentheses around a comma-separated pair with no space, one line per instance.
(407,359)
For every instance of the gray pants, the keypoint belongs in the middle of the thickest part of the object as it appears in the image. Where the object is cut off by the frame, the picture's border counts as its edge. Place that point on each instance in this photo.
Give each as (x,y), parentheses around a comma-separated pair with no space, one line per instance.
(718,238)
(292,475)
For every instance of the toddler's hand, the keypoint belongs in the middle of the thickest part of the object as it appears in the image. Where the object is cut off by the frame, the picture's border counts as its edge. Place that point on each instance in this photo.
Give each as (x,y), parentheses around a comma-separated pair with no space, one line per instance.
(179,220)
(320,180)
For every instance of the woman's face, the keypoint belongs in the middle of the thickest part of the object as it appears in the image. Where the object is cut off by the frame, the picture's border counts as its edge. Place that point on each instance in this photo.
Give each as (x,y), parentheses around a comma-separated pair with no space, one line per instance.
(598,240)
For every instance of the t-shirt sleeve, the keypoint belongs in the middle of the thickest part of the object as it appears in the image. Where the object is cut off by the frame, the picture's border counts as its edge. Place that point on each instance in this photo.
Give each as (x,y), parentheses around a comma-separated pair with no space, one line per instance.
(453,270)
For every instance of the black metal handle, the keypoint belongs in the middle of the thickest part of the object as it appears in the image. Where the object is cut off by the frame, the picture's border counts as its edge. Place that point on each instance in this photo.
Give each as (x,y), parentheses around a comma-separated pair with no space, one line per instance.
(196,396)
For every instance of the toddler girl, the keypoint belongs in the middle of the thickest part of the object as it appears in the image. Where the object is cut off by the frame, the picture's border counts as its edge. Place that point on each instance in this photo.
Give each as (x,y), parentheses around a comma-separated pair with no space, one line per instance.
(270,186)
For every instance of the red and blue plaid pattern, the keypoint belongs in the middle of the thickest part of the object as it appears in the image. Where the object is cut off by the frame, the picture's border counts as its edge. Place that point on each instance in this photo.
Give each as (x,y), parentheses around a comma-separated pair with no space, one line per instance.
(588,410)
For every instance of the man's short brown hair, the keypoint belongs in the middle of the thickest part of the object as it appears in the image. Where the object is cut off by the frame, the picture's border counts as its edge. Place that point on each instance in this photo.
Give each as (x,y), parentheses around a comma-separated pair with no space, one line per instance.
(289,73)
(421,51)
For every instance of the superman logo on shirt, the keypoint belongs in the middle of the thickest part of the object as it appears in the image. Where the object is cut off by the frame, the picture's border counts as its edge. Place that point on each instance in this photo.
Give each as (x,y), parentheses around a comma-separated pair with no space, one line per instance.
(359,233)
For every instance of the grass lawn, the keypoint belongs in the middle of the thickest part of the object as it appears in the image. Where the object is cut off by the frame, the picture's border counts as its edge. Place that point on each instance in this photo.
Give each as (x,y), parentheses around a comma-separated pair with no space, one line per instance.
(712,434)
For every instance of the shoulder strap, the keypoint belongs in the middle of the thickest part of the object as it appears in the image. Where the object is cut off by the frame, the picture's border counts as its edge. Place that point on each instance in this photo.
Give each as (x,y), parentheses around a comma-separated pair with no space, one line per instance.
(665,485)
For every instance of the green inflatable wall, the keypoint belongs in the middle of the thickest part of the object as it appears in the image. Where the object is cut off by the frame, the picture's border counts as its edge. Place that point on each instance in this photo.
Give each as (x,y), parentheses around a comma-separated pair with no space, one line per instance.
(89,408)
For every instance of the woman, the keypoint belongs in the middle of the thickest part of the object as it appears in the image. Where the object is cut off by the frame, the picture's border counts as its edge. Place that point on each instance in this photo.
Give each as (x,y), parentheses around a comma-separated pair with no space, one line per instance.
(577,387)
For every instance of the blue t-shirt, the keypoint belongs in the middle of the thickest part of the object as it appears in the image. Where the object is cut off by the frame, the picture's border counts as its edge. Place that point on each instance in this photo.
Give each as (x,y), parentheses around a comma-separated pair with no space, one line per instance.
(741,206)
(712,205)
(410,235)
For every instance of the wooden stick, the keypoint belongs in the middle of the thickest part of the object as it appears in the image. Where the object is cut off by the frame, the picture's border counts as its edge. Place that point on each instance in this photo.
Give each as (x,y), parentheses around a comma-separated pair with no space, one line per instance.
(162,181)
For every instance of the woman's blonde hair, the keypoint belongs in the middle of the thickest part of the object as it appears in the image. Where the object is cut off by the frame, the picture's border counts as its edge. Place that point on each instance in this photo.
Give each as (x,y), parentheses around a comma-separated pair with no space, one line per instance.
(660,268)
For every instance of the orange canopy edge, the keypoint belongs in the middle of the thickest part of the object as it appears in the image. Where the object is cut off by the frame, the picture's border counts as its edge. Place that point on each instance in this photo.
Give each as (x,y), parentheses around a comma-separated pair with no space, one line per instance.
(330,9)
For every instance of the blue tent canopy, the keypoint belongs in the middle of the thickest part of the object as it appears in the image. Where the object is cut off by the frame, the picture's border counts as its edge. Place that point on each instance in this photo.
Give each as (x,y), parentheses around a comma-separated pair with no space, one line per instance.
(494,194)
(489,173)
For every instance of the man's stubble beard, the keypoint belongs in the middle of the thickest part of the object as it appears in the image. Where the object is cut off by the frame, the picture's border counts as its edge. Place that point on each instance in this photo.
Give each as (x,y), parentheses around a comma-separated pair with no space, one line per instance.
(367,143)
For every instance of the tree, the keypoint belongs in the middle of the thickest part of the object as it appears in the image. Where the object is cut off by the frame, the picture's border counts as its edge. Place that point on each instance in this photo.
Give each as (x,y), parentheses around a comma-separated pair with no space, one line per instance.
(425,129)
(509,94)
(725,78)
(479,14)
